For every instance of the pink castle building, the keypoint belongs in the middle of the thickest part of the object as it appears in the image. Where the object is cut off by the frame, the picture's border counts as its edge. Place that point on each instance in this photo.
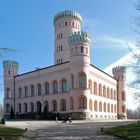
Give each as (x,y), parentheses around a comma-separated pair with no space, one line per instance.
(72,85)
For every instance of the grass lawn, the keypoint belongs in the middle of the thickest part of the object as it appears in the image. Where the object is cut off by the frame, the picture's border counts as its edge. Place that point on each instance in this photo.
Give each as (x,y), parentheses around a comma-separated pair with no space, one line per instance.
(130,132)
(10,133)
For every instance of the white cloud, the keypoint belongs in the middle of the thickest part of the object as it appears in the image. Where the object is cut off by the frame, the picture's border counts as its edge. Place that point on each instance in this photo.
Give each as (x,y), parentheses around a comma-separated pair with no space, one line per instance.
(115,42)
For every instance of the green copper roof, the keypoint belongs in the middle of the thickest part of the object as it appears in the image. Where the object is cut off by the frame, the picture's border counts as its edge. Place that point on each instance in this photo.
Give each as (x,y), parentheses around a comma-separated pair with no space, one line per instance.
(78,37)
(10,64)
(67,14)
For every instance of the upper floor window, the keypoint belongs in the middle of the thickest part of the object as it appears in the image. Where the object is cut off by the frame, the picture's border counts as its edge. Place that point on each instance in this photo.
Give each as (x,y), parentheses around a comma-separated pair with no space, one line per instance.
(72,81)
(82,80)
(55,87)
(32,90)
(82,49)
(59,36)
(26,92)
(39,89)
(47,88)
(73,24)
(20,92)
(8,93)
(64,85)
(59,25)
(66,23)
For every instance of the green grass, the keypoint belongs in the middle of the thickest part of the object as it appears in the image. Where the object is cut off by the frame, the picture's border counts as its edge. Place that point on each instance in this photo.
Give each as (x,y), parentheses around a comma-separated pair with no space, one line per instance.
(10,132)
(130,132)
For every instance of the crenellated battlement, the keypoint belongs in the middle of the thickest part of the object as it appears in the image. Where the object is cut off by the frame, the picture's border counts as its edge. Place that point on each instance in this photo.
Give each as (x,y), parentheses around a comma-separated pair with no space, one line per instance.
(10,64)
(119,70)
(78,37)
(68,14)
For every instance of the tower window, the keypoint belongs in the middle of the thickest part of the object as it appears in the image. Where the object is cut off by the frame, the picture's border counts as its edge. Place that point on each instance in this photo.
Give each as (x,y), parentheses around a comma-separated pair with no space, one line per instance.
(61,47)
(73,24)
(66,23)
(82,49)
(87,50)
(61,35)
(59,25)
(76,49)
(72,51)
(8,71)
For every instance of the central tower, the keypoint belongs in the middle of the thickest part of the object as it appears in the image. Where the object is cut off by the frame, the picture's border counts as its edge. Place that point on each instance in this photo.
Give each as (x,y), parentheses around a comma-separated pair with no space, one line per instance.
(65,22)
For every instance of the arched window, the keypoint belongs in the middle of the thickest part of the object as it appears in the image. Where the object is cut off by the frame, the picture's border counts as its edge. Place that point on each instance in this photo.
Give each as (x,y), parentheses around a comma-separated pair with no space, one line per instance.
(32,106)
(25,108)
(95,88)
(90,105)
(72,81)
(100,89)
(26,92)
(46,107)
(82,102)
(111,94)
(54,105)
(63,105)
(19,108)
(20,92)
(90,85)
(108,92)
(47,88)
(7,108)
(104,91)
(32,90)
(39,87)
(66,23)
(115,96)
(64,85)
(8,93)
(104,107)
(115,109)
(123,109)
(108,107)
(111,108)
(95,106)
(82,80)
(82,49)
(55,87)
(100,106)
(38,107)
(123,95)
(71,103)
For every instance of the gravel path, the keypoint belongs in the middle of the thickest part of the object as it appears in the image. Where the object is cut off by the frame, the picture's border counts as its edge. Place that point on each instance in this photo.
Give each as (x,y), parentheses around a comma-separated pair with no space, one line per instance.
(77,130)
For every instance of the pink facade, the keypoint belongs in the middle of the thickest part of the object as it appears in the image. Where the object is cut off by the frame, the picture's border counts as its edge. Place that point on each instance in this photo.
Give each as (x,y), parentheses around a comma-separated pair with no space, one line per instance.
(71,85)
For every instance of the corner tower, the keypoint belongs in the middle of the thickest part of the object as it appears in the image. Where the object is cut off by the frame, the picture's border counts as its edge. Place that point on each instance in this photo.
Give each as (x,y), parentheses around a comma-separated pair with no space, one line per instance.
(79,45)
(65,22)
(119,74)
(10,69)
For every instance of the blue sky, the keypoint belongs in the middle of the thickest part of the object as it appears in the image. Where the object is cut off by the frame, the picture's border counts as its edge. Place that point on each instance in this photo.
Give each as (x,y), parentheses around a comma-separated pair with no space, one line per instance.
(27,26)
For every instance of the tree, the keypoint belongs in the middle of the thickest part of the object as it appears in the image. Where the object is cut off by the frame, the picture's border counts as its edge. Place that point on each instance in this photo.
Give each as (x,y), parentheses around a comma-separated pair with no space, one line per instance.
(135,65)
(1,111)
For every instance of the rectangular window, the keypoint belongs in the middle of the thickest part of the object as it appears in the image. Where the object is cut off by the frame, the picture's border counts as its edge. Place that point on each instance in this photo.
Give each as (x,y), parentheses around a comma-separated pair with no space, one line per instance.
(82,49)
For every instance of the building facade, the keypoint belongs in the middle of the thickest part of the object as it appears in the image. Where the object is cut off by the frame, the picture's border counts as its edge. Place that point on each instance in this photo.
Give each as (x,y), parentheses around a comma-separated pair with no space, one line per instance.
(72,85)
